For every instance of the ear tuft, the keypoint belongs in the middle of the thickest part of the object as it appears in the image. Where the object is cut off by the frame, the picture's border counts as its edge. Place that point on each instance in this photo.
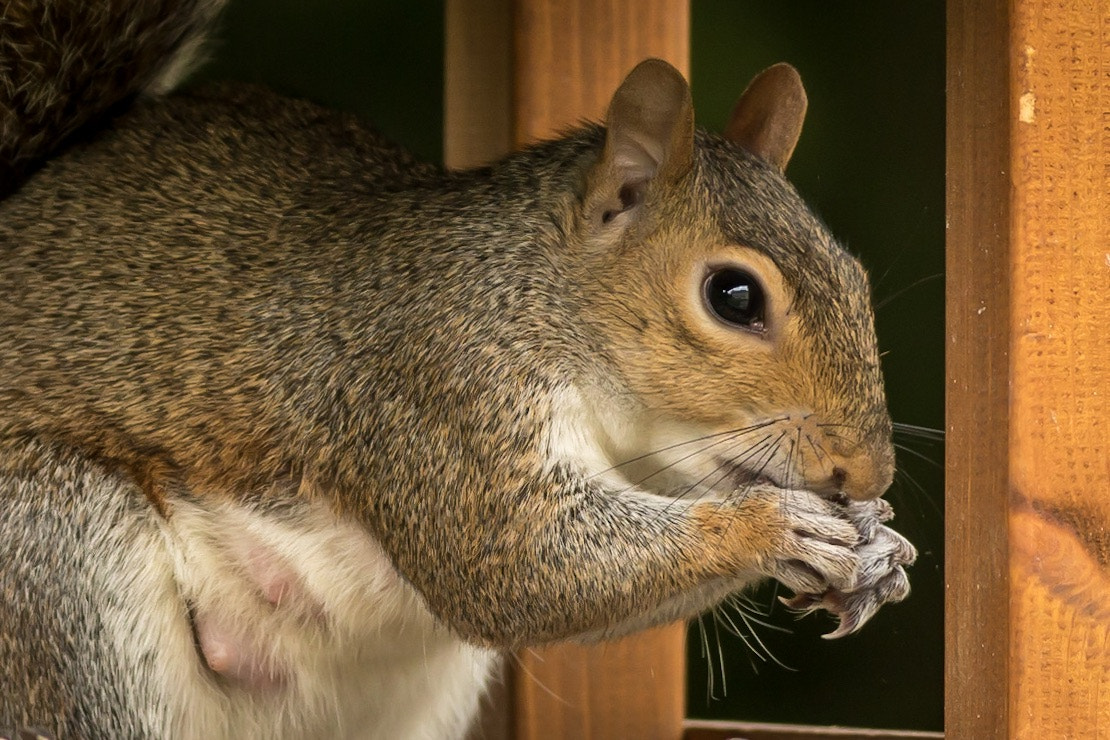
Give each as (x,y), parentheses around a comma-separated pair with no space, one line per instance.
(767,119)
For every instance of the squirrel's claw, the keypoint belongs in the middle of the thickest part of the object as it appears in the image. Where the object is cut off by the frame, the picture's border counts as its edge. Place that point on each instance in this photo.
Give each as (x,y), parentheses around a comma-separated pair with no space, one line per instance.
(880,578)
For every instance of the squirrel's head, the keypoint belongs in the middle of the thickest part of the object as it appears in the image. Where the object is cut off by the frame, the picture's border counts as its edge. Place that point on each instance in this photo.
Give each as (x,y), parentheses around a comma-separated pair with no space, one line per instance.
(740,334)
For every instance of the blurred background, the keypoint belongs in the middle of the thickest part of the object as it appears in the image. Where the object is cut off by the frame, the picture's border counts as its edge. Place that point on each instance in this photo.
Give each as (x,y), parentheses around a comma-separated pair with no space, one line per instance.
(870,162)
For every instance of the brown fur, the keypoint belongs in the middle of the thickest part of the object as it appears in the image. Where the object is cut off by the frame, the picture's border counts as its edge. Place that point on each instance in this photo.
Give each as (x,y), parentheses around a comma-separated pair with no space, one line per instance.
(227,290)
(66,62)
(244,359)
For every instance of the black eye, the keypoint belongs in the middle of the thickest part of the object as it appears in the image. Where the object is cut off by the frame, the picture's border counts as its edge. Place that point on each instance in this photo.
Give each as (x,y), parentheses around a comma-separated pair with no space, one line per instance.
(736,297)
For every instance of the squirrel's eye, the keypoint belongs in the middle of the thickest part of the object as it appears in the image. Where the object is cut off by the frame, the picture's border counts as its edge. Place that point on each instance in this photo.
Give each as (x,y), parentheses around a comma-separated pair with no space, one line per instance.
(736,297)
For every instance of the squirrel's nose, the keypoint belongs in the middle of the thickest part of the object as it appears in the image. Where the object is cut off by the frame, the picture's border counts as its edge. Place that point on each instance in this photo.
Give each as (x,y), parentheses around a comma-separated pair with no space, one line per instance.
(863,477)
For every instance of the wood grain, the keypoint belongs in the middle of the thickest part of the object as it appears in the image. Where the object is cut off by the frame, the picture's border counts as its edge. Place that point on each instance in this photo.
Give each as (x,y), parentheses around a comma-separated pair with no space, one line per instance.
(477,95)
(1060,364)
(566,58)
(570,55)
(700,730)
(977,370)
(632,688)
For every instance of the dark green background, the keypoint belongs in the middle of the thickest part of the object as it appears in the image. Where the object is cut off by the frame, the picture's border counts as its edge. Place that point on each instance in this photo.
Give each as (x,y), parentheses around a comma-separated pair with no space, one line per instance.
(871,162)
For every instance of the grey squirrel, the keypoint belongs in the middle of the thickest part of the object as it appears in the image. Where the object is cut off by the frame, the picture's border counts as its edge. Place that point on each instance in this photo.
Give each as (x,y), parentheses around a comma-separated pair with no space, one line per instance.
(296,432)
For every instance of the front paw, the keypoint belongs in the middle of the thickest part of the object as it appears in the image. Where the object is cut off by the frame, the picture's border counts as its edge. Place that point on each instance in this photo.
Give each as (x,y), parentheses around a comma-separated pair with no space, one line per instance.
(879,578)
(816,547)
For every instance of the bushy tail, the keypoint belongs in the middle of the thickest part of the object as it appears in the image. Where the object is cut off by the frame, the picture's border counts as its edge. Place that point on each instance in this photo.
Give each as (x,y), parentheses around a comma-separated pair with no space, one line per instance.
(64,63)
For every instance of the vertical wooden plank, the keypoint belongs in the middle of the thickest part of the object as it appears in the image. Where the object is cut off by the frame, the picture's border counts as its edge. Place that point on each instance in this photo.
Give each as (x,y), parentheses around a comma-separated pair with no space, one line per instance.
(477,96)
(567,57)
(477,129)
(632,688)
(570,55)
(1060,359)
(977,368)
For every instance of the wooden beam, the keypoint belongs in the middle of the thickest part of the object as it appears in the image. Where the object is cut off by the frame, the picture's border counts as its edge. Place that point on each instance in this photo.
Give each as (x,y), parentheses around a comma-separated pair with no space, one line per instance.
(566,60)
(1028,612)
(632,688)
(709,730)
(977,360)
(1060,369)
(477,96)
(569,57)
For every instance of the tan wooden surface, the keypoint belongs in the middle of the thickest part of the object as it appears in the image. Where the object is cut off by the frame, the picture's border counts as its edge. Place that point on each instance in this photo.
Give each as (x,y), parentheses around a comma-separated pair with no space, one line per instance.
(565,59)
(977,359)
(632,688)
(569,58)
(1060,368)
(477,96)
(703,730)
(570,55)
(1028,549)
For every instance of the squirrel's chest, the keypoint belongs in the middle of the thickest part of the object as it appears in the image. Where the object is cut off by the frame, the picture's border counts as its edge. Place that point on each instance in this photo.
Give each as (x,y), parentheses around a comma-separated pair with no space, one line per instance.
(302,628)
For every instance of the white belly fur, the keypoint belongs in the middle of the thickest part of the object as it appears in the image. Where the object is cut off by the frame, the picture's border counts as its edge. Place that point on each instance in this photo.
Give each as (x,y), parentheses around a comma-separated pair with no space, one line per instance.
(353,651)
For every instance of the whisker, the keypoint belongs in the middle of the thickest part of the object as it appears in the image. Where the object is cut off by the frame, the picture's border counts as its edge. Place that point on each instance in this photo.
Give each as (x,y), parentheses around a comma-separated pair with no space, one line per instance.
(723,465)
(905,428)
(855,443)
(746,609)
(722,613)
(699,451)
(796,448)
(821,454)
(914,284)
(763,456)
(755,449)
(721,658)
(766,651)
(728,432)
(754,613)
(918,455)
(902,476)
(753,647)
(886,273)
(709,677)
(772,449)
(521,665)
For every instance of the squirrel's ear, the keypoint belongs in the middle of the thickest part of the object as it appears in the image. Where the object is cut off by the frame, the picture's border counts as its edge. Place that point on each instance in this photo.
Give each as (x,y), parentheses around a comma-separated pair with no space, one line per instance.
(767,120)
(649,138)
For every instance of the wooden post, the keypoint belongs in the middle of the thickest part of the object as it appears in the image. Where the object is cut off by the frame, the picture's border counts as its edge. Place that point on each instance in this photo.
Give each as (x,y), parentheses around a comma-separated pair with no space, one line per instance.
(570,56)
(977,359)
(1029,370)
(1060,369)
(565,59)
